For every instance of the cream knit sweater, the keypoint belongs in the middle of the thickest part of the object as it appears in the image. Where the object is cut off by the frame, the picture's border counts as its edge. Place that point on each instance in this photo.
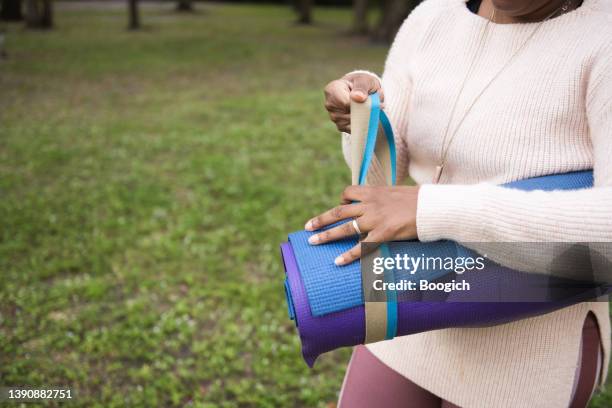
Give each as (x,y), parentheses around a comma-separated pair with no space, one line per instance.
(550,111)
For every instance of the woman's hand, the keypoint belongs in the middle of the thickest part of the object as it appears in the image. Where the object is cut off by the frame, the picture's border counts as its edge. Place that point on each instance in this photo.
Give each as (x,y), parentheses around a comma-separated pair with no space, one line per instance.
(383,213)
(338,95)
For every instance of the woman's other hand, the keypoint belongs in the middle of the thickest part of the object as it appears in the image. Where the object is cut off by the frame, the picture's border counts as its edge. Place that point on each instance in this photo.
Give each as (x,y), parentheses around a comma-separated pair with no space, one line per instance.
(338,94)
(383,213)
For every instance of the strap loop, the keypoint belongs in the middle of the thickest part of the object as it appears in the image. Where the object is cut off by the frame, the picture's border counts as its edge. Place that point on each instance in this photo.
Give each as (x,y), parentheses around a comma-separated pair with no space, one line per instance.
(377,117)
(380,318)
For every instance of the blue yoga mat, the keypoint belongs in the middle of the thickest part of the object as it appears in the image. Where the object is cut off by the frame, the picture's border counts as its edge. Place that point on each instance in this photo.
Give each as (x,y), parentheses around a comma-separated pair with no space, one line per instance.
(332,288)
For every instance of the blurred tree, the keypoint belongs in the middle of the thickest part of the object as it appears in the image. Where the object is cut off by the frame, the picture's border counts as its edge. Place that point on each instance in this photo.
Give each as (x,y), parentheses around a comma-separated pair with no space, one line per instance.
(11,10)
(184,5)
(394,12)
(134,23)
(2,37)
(360,16)
(304,9)
(39,14)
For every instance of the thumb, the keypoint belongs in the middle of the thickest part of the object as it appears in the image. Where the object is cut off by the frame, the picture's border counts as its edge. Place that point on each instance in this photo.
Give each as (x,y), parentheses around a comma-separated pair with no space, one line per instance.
(362,86)
(359,95)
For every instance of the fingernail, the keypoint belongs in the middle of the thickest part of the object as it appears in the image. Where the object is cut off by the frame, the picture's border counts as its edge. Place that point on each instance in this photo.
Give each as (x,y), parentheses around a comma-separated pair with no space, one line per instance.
(339,260)
(314,239)
(308,226)
(360,94)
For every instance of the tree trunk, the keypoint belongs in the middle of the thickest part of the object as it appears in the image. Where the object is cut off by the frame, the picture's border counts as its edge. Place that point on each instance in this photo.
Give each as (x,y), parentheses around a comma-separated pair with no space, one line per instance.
(47,14)
(393,14)
(39,14)
(2,40)
(134,23)
(11,10)
(304,9)
(360,16)
(184,5)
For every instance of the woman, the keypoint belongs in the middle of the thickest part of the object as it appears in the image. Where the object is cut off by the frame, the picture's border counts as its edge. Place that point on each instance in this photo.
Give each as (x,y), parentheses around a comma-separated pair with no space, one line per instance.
(481,94)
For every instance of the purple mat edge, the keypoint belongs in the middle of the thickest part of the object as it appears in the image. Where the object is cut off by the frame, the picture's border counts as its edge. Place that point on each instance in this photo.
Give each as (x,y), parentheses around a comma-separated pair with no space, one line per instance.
(319,335)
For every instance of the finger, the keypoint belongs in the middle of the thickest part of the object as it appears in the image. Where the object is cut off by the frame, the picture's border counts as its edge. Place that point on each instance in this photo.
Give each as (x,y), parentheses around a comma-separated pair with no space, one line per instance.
(354,193)
(336,214)
(359,250)
(349,256)
(334,234)
(338,116)
(361,86)
(344,126)
(337,97)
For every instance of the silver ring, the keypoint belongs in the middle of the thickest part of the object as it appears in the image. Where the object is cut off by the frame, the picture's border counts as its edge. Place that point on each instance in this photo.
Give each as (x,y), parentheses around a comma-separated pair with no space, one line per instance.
(356,227)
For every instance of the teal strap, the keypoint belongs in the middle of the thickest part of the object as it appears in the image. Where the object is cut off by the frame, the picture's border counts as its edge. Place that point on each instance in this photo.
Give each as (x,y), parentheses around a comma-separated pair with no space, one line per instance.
(386,124)
(377,116)
(368,152)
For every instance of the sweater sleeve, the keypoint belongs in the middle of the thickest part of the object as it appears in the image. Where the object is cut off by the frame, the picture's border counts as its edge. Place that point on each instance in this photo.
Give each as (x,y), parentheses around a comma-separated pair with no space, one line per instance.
(484,212)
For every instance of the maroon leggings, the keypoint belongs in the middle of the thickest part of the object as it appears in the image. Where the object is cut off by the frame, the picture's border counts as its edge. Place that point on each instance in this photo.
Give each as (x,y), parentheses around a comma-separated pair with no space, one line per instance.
(370,383)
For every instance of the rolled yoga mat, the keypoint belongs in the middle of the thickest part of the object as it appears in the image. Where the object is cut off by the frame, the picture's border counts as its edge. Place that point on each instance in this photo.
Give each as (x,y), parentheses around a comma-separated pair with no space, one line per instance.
(326,301)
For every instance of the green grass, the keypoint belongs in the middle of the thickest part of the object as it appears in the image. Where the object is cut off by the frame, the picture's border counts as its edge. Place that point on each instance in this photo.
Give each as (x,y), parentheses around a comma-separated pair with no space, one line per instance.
(146,180)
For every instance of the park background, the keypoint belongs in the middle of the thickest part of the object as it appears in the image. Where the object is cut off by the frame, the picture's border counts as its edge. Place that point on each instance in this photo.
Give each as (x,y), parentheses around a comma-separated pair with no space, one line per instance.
(152,157)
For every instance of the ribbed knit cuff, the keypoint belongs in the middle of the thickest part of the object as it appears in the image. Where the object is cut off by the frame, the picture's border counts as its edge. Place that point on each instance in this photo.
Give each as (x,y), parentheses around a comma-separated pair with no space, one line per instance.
(454,212)
(362,71)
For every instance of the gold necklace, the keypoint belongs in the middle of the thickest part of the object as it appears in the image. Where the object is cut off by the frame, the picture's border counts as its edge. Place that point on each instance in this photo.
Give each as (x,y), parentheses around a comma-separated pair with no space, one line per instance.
(445,146)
